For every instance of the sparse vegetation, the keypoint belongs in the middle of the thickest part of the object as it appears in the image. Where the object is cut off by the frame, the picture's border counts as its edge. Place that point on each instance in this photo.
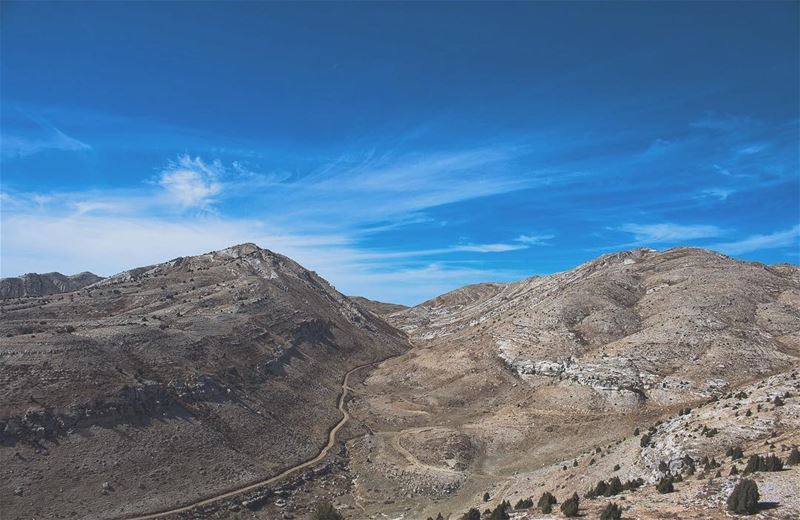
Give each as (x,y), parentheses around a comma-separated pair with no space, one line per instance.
(570,506)
(735,453)
(472,514)
(665,485)
(499,512)
(744,498)
(326,511)
(763,463)
(526,503)
(633,485)
(611,512)
(794,457)
(546,502)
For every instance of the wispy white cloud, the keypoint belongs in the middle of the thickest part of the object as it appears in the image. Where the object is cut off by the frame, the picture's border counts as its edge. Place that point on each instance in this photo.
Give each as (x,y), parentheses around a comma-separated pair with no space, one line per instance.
(45,137)
(535,240)
(190,182)
(774,240)
(668,232)
(716,193)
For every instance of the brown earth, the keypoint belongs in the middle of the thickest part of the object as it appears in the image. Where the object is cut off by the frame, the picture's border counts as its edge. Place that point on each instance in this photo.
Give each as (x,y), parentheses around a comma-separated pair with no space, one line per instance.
(511,389)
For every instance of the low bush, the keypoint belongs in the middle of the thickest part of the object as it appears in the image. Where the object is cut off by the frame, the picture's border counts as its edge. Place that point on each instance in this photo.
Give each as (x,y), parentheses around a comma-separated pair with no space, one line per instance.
(326,511)
(665,485)
(794,456)
(524,504)
(546,502)
(472,514)
(765,463)
(744,498)
(570,506)
(611,512)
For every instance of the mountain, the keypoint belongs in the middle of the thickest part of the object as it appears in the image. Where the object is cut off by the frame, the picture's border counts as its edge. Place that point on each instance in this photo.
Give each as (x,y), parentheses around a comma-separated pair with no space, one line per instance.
(647,326)
(509,384)
(189,387)
(167,383)
(33,284)
(376,307)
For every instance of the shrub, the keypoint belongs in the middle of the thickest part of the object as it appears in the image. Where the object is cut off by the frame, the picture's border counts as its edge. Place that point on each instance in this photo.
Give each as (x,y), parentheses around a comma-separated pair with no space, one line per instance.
(570,506)
(794,456)
(326,511)
(472,514)
(524,504)
(633,485)
(499,512)
(614,487)
(546,502)
(734,470)
(665,485)
(598,491)
(744,498)
(486,497)
(735,453)
(645,440)
(616,467)
(766,463)
(611,512)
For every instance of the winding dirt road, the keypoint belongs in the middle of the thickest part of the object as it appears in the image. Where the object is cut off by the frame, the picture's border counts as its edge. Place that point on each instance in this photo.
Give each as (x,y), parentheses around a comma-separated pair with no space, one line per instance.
(271,480)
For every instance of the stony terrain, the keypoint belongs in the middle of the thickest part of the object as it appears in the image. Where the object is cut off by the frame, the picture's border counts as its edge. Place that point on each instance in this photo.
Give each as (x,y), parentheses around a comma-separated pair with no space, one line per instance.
(379,308)
(627,366)
(171,382)
(33,284)
(532,374)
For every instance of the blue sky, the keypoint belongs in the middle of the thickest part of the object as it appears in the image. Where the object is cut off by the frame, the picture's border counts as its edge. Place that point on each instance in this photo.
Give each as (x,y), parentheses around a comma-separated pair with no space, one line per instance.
(400,150)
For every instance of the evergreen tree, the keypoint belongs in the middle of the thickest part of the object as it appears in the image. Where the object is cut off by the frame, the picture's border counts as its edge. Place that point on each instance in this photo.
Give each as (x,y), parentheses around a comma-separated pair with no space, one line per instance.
(611,512)
(526,503)
(546,502)
(598,491)
(766,463)
(614,487)
(794,456)
(744,498)
(665,485)
(499,513)
(570,506)
(326,511)
(472,514)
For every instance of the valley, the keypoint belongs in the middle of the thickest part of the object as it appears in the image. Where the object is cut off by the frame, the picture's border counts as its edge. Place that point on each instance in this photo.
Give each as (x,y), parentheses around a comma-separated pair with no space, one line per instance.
(237,384)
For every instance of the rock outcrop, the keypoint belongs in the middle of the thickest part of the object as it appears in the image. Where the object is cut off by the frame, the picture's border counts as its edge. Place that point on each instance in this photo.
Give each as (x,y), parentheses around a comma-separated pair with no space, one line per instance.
(33,284)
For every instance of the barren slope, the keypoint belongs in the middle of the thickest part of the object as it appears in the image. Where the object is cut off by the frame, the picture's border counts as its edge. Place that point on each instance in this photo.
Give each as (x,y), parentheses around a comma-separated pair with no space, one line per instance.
(507,379)
(166,383)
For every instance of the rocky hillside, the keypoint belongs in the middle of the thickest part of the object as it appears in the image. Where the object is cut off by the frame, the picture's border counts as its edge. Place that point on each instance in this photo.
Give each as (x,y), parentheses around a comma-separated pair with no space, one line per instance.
(505,381)
(169,382)
(643,325)
(33,284)
(376,307)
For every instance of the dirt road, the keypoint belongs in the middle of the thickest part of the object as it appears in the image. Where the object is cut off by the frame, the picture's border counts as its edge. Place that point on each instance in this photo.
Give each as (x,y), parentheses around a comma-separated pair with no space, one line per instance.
(271,480)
